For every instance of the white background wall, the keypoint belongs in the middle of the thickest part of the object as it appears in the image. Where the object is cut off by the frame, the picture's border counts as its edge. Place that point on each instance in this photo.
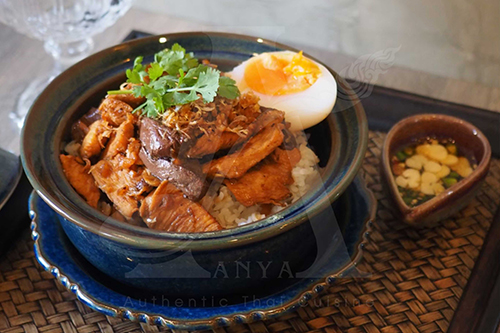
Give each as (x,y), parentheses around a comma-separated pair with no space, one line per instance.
(452,38)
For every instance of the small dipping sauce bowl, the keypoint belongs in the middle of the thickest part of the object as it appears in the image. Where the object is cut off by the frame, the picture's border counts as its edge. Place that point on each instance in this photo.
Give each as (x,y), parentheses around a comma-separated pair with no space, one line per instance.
(467,138)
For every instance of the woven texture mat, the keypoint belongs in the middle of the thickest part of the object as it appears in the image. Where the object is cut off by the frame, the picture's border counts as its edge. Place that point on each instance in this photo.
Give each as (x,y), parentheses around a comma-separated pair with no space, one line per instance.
(417,278)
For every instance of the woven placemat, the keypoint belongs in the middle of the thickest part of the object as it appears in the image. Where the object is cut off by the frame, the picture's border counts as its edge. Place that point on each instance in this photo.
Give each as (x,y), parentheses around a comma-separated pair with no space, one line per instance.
(417,278)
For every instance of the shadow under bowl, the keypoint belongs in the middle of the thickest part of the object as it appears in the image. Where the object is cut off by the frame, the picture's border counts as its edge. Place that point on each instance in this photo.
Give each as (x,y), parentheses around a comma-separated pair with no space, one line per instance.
(469,140)
(179,263)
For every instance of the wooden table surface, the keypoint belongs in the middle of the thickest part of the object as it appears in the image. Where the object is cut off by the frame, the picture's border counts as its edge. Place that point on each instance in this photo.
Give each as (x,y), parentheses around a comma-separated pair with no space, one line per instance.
(22,59)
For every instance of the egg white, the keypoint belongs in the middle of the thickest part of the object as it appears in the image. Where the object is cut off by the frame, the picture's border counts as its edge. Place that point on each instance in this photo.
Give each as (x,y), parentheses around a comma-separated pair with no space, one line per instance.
(302,109)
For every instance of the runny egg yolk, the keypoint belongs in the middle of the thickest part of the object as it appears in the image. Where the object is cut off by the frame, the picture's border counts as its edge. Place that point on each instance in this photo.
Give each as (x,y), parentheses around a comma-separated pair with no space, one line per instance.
(277,74)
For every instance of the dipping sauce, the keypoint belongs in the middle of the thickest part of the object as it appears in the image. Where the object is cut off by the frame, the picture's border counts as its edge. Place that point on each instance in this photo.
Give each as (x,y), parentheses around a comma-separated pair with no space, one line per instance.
(428,167)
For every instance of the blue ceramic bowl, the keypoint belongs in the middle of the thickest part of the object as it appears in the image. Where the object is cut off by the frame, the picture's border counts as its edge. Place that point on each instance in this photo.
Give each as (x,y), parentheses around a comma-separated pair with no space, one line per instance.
(356,207)
(178,264)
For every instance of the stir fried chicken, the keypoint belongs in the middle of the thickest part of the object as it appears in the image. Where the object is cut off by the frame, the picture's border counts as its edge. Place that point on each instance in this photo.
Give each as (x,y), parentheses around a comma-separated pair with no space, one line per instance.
(115,111)
(255,150)
(205,128)
(119,140)
(157,169)
(81,127)
(95,139)
(79,177)
(212,142)
(124,187)
(166,209)
(267,118)
(267,182)
(118,173)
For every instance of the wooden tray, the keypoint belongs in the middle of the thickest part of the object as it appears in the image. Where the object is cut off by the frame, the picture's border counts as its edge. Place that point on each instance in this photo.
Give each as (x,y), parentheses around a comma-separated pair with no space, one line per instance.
(429,280)
(479,306)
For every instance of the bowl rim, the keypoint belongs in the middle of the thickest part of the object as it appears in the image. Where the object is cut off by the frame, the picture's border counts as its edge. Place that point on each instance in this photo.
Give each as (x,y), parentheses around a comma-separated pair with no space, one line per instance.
(413,214)
(269,226)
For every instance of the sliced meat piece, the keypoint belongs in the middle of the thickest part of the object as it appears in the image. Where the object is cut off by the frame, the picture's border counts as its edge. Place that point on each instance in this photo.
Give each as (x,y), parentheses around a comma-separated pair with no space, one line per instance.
(130,157)
(289,141)
(209,144)
(167,209)
(124,187)
(130,99)
(109,210)
(95,139)
(267,117)
(158,139)
(151,179)
(118,143)
(186,176)
(81,127)
(115,111)
(79,177)
(287,158)
(212,142)
(228,140)
(255,150)
(267,182)
(91,116)
(78,131)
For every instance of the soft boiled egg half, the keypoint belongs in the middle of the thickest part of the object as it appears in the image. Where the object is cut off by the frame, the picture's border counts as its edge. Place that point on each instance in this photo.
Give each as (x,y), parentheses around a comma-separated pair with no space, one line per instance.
(305,90)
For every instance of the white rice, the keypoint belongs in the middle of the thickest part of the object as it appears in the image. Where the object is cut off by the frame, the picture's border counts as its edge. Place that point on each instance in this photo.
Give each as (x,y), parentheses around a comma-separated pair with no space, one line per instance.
(230,213)
(72,148)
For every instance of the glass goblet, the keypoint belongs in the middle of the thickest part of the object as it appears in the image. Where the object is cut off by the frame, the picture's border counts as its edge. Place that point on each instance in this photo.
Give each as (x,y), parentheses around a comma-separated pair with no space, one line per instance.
(66,27)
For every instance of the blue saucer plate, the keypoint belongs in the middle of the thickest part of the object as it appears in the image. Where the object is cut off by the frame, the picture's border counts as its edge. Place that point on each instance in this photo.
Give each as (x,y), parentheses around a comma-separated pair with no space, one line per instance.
(354,212)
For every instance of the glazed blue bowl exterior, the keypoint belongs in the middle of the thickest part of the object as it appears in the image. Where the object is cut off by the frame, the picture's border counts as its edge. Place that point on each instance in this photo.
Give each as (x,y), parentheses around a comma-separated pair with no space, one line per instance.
(263,267)
(57,255)
(263,254)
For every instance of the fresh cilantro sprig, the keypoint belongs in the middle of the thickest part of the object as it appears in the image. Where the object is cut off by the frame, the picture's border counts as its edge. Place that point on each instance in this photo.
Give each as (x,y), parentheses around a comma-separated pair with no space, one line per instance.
(175,78)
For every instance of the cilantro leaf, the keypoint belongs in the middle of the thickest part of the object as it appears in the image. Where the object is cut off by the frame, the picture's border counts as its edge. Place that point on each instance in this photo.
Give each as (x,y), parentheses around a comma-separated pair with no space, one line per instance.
(228,88)
(177,48)
(175,77)
(183,98)
(150,109)
(136,91)
(133,76)
(193,74)
(138,64)
(164,83)
(155,71)
(176,58)
(190,62)
(207,84)
(138,72)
